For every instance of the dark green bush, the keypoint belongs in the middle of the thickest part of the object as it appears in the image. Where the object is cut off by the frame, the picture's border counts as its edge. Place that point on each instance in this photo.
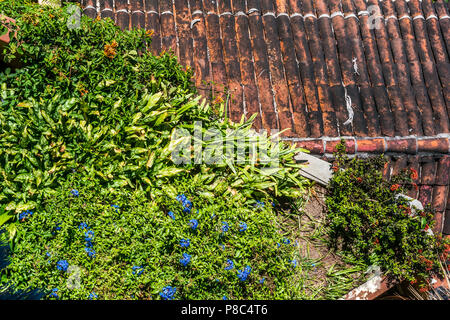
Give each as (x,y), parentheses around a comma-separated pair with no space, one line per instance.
(92,110)
(372,222)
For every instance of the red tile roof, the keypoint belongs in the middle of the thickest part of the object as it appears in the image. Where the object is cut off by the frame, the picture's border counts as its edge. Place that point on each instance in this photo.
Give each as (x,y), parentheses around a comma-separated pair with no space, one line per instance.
(374,72)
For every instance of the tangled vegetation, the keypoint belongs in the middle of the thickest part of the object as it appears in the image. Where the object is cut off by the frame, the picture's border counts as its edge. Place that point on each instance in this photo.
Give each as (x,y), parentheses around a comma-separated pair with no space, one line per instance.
(372,222)
(89,121)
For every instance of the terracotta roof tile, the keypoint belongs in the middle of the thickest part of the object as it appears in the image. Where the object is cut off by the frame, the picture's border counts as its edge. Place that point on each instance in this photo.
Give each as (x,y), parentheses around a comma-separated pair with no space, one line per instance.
(318,67)
(137,14)
(152,23)
(89,8)
(122,14)
(107,9)
(321,68)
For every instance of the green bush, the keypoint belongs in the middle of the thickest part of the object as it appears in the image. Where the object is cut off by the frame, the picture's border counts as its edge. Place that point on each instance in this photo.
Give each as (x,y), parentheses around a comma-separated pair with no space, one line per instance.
(94,100)
(141,233)
(92,110)
(371,222)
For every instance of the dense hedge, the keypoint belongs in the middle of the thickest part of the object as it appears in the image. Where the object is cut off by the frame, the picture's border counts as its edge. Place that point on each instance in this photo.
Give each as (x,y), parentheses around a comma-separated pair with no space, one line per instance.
(372,222)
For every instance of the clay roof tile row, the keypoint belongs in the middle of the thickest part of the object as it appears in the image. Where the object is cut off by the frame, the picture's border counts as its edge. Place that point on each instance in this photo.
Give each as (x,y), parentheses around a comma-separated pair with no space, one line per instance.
(320,68)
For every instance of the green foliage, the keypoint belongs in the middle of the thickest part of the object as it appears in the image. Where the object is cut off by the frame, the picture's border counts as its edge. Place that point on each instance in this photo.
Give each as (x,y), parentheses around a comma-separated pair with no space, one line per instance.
(141,233)
(373,223)
(92,109)
(92,99)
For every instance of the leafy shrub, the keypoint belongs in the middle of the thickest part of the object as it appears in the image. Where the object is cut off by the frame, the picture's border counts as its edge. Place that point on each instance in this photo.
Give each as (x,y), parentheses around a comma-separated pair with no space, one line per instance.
(122,246)
(95,101)
(89,122)
(372,222)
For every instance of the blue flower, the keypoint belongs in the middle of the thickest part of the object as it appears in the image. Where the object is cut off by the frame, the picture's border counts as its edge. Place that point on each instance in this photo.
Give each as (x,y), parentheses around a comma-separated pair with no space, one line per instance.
(193,223)
(278,245)
(230,265)
(25,214)
(261,281)
(259,204)
(181,197)
(83,226)
(89,235)
(116,207)
(242,227)
(243,274)
(184,243)
(187,204)
(75,192)
(222,246)
(186,259)
(168,292)
(93,296)
(58,226)
(286,241)
(48,254)
(224,298)
(54,293)
(171,214)
(294,262)
(138,269)
(62,265)
(90,252)
(225,226)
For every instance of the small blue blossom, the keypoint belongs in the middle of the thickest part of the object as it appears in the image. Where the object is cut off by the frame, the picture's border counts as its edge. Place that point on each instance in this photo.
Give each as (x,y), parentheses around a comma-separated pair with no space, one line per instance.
(186,259)
(230,265)
(58,226)
(222,246)
(193,223)
(181,197)
(224,298)
(294,262)
(75,192)
(48,254)
(90,251)
(62,265)
(93,296)
(54,294)
(89,235)
(225,226)
(242,227)
(171,214)
(25,214)
(259,204)
(278,245)
(168,292)
(243,274)
(184,243)
(187,206)
(261,281)
(116,207)
(286,241)
(138,270)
